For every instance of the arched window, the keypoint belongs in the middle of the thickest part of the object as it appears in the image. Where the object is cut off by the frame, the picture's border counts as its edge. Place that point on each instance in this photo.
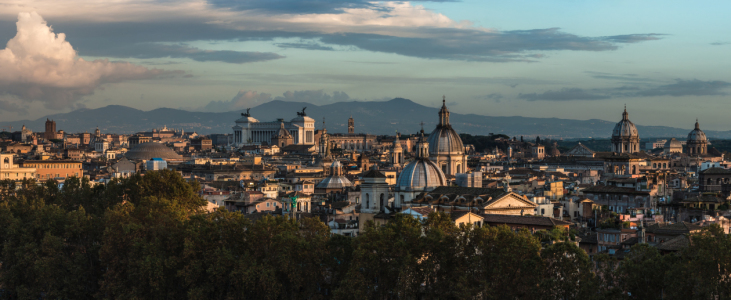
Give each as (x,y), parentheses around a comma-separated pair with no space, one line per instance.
(382,201)
(444,169)
(708,181)
(402,199)
(459,167)
(665,165)
(634,169)
(368,201)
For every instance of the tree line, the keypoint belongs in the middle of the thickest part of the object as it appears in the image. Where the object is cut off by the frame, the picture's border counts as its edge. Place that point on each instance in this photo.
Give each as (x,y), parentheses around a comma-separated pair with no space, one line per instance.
(146,237)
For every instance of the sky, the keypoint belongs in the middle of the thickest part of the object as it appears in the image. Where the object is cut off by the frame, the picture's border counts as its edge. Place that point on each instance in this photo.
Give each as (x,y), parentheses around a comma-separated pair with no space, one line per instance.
(668,61)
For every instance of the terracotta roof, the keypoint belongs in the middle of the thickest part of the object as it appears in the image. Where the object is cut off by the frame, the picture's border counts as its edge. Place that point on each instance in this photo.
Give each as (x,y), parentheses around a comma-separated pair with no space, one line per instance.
(423,210)
(523,220)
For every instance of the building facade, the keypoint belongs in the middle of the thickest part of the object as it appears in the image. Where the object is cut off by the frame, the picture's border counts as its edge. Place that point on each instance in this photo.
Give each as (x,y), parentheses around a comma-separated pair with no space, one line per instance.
(249,131)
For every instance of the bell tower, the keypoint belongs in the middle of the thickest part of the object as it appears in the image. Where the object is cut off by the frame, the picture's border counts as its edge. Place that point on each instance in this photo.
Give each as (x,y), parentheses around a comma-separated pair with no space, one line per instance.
(351,125)
(398,152)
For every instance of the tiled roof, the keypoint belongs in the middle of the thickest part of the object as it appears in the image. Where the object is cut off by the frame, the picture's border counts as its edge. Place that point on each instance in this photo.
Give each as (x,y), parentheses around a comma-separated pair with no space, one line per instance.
(523,220)
(458,214)
(630,241)
(588,239)
(675,244)
(720,171)
(373,173)
(340,204)
(673,229)
(704,199)
(614,190)
(461,196)
(423,210)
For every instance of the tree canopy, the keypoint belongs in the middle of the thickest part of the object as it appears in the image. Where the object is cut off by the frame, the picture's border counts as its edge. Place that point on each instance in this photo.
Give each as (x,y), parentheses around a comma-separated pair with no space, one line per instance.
(146,237)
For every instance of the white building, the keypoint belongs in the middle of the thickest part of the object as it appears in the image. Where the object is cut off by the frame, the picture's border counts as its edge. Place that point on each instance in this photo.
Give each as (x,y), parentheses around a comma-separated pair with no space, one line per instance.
(249,131)
(156,164)
(101,145)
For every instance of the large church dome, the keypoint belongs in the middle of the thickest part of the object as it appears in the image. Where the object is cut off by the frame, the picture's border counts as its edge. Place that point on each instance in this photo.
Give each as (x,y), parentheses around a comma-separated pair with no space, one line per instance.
(444,140)
(150,150)
(697,135)
(421,174)
(625,128)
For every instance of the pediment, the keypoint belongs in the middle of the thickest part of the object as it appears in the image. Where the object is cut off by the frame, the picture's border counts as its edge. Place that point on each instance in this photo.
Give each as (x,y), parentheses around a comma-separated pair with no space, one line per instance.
(511,200)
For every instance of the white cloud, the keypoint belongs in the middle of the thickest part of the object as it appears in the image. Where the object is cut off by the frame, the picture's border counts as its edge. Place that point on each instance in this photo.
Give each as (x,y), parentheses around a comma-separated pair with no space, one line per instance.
(243,100)
(40,65)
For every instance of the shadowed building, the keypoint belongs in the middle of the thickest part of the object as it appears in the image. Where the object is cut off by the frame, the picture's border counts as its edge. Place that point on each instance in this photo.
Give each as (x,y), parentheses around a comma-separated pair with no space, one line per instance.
(697,142)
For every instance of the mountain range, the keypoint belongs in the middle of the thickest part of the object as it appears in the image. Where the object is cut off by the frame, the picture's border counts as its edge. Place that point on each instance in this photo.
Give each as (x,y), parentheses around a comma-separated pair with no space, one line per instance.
(384,117)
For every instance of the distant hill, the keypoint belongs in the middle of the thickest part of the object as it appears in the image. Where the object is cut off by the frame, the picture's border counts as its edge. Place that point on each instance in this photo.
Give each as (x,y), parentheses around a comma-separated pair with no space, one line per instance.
(370,117)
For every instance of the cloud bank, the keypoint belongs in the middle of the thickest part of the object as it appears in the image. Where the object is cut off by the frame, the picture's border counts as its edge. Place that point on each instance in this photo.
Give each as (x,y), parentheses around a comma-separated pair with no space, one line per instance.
(157,30)
(680,88)
(39,65)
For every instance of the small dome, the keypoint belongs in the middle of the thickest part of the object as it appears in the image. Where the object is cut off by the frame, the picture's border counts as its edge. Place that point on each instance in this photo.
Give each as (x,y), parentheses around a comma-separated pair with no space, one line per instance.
(421,174)
(150,150)
(444,140)
(336,180)
(673,143)
(283,132)
(697,135)
(625,128)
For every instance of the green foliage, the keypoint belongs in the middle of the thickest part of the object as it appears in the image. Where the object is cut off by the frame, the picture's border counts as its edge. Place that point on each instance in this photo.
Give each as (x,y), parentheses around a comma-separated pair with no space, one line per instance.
(567,272)
(147,238)
(555,234)
(609,223)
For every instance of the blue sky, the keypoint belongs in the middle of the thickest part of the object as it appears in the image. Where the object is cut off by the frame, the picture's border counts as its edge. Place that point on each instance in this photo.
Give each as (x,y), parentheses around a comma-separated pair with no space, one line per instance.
(667,60)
